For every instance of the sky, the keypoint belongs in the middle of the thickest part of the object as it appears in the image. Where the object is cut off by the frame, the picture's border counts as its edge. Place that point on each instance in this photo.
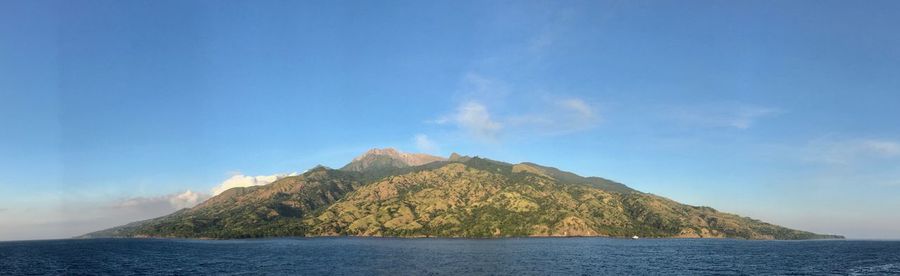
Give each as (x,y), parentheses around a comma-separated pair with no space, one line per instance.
(117,111)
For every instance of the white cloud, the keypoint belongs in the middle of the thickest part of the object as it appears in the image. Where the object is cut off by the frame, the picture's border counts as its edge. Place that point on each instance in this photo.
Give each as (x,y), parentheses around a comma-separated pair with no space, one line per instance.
(425,144)
(475,119)
(187,199)
(721,115)
(472,115)
(240,180)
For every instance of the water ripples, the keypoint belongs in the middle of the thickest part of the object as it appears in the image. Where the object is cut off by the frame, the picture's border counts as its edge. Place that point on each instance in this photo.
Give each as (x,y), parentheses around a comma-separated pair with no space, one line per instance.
(386,256)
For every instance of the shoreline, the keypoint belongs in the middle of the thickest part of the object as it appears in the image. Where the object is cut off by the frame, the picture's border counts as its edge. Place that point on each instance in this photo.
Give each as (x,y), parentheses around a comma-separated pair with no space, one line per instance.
(461,238)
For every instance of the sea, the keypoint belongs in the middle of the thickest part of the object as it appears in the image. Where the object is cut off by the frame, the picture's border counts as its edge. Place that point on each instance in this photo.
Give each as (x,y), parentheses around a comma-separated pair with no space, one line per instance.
(432,256)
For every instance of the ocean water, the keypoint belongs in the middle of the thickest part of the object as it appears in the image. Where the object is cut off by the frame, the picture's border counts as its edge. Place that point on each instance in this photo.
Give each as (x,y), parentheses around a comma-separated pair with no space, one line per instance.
(389,256)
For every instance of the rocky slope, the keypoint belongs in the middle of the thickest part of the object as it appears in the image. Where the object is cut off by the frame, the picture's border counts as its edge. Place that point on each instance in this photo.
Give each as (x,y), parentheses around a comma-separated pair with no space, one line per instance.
(383,193)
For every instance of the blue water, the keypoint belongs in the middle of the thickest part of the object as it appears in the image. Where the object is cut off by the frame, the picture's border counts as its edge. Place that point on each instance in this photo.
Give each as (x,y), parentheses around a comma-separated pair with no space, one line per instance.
(386,256)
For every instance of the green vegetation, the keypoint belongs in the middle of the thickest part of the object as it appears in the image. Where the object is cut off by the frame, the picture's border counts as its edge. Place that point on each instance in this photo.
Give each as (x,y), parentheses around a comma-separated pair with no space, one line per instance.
(462,197)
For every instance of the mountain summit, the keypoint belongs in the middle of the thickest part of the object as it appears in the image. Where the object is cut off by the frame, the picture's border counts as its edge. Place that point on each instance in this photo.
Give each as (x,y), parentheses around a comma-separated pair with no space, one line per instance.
(388,158)
(385,192)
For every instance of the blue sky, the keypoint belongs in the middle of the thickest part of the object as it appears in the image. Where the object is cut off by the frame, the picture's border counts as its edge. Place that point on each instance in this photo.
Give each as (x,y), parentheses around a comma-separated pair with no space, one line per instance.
(785,111)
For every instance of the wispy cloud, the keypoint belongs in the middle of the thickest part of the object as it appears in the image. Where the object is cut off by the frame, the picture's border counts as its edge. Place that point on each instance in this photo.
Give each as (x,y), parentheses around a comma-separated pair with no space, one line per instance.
(541,41)
(575,115)
(158,204)
(850,151)
(425,144)
(240,180)
(557,117)
(747,116)
(736,116)
(545,38)
(837,162)
(480,88)
(579,106)
(549,117)
(472,115)
(882,148)
(491,108)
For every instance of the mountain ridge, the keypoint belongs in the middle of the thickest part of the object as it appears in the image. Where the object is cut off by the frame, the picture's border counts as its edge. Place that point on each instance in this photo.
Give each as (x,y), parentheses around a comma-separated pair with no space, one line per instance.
(389,158)
(380,193)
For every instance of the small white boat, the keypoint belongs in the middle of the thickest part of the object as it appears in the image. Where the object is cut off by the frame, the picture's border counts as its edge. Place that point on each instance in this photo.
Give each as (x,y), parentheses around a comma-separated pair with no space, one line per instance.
(634,237)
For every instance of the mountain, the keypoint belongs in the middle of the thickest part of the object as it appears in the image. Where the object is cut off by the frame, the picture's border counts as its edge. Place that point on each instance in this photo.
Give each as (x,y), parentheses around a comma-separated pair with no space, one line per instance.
(385,192)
